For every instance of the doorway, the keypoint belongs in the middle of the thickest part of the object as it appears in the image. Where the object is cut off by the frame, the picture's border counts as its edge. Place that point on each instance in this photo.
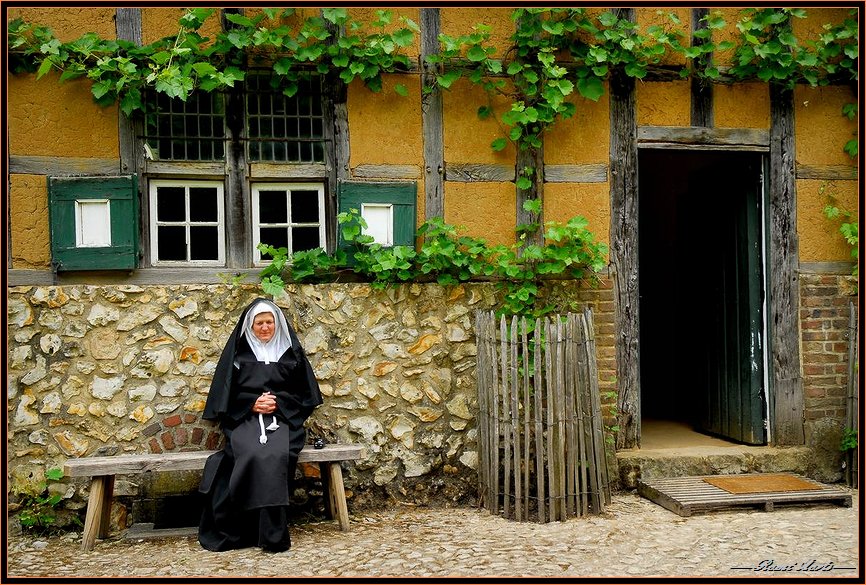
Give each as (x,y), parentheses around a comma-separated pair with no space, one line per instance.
(701,276)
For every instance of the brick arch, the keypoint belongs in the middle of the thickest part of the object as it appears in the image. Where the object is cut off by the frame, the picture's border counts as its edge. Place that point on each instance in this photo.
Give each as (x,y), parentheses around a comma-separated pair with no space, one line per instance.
(182,432)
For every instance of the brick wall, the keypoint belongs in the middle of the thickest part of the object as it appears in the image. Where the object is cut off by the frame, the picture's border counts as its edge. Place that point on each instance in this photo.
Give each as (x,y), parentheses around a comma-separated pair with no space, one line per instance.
(825,301)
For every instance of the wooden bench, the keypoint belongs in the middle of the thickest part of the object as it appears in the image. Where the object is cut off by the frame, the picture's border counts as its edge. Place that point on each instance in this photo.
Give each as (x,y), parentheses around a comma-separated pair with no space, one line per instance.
(103,470)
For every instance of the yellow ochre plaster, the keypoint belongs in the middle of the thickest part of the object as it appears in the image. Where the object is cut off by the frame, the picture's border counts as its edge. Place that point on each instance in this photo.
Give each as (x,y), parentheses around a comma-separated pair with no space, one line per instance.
(486,210)
(28,214)
(819,237)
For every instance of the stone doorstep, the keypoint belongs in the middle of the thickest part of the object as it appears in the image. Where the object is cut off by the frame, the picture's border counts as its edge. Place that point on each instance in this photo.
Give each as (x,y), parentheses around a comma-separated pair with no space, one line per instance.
(635,464)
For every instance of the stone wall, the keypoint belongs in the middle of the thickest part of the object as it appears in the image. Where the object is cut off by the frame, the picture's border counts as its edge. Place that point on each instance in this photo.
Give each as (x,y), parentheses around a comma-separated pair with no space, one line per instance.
(113,369)
(824,318)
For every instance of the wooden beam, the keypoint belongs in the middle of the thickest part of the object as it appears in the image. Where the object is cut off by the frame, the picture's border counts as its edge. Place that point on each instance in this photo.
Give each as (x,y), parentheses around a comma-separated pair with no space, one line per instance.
(198,168)
(337,152)
(128,25)
(479,173)
(386,172)
(238,211)
(624,250)
(591,173)
(840,268)
(431,119)
(141,276)
(702,90)
(754,139)
(786,382)
(62,166)
(827,172)
(293,171)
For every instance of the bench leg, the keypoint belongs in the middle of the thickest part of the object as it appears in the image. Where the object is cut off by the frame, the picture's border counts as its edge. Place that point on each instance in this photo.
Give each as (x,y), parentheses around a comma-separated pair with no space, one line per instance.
(107,498)
(337,495)
(328,497)
(96,510)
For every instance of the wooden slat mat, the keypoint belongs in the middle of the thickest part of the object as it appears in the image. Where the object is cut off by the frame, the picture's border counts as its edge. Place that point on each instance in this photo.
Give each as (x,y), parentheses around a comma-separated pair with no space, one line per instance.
(688,495)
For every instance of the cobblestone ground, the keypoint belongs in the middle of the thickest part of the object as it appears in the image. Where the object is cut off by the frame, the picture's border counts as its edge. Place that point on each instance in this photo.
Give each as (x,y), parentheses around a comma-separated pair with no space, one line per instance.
(634,537)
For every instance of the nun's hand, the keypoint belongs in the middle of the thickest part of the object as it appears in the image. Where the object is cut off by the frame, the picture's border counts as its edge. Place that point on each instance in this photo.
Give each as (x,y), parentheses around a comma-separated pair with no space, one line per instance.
(265,404)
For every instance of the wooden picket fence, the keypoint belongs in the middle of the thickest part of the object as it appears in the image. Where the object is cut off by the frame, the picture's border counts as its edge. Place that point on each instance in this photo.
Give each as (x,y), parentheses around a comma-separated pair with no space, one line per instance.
(540,425)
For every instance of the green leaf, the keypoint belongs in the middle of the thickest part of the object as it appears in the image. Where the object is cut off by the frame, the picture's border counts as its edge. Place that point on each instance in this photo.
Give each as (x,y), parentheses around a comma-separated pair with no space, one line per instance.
(44,68)
(499,144)
(476,53)
(590,88)
(400,89)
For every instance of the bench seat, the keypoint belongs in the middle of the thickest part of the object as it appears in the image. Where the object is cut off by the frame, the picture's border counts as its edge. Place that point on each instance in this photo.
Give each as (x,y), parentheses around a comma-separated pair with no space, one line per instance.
(102,471)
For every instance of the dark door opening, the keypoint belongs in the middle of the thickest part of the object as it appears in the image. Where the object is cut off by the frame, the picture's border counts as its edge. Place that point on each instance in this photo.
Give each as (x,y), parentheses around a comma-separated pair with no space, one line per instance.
(701,293)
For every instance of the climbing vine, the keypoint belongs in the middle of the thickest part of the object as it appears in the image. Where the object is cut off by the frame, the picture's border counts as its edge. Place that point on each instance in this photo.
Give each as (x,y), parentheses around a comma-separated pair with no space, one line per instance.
(555,55)
(447,257)
(120,70)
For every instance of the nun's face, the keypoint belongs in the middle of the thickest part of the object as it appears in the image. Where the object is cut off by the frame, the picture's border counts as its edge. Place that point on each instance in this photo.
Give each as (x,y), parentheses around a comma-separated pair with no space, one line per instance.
(263,326)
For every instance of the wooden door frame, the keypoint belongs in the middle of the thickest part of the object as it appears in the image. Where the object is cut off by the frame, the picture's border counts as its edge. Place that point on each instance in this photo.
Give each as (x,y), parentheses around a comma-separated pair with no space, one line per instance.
(785,388)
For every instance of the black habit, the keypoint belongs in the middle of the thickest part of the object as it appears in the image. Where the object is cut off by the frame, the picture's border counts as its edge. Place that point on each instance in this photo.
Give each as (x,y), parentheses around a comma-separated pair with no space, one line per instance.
(247,484)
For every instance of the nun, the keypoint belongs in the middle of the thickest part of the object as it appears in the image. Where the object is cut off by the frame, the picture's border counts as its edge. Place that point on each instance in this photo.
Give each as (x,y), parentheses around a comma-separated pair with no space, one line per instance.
(262,391)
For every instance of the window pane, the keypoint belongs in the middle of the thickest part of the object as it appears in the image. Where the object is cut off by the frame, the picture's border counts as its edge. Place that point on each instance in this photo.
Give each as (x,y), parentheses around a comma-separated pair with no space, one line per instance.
(305,207)
(276,237)
(305,238)
(180,124)
(170,204)
(204,243)
(203,204)
(172,242)
(272,207)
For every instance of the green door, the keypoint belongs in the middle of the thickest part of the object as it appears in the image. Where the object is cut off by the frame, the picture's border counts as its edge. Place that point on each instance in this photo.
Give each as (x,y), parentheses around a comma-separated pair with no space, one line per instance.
(734,401)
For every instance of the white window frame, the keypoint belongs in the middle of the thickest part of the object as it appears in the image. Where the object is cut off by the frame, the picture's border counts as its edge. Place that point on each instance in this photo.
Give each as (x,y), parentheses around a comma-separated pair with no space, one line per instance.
(256,188)
(85,235)
(387,234)
(153,186)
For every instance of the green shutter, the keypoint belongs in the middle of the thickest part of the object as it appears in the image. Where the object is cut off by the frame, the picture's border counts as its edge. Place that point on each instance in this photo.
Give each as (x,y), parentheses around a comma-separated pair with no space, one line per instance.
(402,195)
(121,196)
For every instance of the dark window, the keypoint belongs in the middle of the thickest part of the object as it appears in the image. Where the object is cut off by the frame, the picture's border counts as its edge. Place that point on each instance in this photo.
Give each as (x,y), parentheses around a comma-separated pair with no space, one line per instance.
(185,130)
(282,128)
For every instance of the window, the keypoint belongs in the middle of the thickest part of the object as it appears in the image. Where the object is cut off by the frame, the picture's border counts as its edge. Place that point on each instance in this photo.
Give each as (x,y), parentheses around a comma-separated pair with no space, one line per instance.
(93,222)
(185,130)
(186,223)
(200,168)
(288,215)
(387,208)
(282,128)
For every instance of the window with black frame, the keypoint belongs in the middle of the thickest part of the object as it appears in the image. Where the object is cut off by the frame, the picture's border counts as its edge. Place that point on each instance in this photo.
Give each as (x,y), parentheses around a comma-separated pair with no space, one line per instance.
(190,130)
(282,128)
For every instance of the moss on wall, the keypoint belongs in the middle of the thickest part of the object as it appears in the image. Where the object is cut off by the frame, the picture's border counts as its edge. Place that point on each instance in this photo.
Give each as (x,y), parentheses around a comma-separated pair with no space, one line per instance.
(486,210)
(663,103)
(28,210)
